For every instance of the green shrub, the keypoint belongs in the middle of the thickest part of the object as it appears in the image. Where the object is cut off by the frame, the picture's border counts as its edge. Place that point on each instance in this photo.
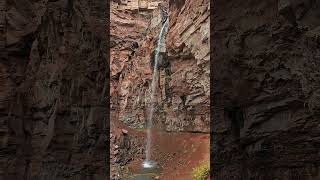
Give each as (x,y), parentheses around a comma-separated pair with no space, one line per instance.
(201,172)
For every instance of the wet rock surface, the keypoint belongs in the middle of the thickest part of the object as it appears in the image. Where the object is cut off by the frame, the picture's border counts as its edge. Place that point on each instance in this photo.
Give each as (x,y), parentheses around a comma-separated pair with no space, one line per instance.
(53,74)
(265,86)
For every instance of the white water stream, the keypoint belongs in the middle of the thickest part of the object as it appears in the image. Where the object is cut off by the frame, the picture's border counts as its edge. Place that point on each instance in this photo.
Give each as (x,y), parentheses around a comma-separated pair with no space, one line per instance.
(161,43)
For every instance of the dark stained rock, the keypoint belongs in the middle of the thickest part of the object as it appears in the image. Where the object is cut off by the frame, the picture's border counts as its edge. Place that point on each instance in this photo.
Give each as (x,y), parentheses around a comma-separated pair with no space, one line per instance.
(265,89)
(52,90)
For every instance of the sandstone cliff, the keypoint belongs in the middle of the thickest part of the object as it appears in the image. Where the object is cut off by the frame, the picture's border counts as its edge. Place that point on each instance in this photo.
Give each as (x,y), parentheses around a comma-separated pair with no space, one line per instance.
(184,69)
(183,86)
(265,89)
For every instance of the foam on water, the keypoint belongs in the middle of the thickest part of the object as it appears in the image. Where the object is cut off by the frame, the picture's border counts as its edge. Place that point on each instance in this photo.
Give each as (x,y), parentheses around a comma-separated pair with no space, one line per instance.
(147,164)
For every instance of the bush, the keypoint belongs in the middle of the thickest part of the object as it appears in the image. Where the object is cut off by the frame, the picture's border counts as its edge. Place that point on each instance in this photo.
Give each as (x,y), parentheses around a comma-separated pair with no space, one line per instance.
(201,172)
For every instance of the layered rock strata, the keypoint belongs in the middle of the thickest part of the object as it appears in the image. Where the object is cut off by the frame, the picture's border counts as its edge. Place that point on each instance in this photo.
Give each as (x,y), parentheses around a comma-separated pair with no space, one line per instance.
(183,88)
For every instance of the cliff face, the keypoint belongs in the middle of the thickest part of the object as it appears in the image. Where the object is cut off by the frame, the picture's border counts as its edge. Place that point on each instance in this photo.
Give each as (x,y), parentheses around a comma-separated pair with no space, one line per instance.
(183,94)
(53,74)
(127,32)
(266,89)
(186,84)
(183,87)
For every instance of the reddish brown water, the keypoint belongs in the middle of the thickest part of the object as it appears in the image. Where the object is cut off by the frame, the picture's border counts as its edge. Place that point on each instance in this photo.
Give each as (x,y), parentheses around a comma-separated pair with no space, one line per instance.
(177,154)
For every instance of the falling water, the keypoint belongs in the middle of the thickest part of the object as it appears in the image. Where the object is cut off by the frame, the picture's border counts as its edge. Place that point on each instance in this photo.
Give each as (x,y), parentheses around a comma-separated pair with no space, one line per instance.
(148,163)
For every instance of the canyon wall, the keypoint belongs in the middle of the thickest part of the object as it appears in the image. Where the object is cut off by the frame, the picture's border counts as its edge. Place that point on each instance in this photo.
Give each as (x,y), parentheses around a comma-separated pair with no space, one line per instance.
(183,86)
(128,30)
(187,78)
(135,4)
(183,95)
(53,90)
(266,89)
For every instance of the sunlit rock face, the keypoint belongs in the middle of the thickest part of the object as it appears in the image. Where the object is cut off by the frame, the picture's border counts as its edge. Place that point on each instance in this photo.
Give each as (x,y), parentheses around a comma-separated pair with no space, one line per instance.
(53,74)
(266,89)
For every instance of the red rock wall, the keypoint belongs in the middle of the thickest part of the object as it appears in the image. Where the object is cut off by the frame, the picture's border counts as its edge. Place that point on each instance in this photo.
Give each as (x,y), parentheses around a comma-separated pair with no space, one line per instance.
(187,85)
(183,94)
(183,88)
(127,29)
(265,89)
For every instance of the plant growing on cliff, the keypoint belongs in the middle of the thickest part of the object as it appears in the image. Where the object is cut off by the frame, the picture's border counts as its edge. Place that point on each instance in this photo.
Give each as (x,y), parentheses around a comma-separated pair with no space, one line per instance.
(201,172)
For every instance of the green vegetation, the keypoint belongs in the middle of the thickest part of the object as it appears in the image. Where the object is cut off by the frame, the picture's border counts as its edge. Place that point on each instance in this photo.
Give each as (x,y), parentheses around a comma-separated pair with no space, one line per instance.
(201,172)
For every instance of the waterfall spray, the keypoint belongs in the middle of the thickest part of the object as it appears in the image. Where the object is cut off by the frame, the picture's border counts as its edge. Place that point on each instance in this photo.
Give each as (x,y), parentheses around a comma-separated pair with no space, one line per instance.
(161,42)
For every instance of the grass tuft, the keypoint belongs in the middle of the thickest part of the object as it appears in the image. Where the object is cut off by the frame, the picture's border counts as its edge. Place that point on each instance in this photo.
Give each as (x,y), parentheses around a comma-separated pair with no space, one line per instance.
(201,172)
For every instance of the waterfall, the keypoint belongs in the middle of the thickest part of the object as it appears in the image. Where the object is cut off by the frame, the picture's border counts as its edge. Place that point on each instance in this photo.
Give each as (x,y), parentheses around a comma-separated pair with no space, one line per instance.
(161,43)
